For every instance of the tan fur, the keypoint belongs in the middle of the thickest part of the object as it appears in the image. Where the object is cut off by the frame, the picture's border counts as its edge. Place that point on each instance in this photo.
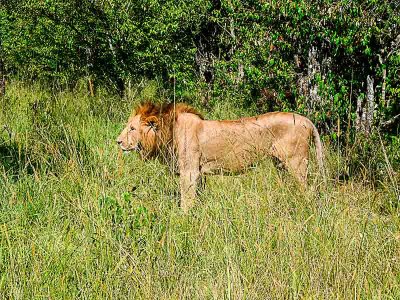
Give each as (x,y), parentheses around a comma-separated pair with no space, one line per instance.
(203,146)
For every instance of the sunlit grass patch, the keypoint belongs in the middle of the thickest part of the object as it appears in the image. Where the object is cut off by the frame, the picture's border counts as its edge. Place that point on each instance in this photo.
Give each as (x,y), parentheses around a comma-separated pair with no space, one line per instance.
(80,220)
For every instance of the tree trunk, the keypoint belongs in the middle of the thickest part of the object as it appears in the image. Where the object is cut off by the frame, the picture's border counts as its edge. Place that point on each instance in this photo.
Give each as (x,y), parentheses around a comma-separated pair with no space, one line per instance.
(307,84)
(240,72)
(314,68)
(384,72)
(360,114)
(89,70)
(205,62)
(370,103)
(366,109)
(91,87)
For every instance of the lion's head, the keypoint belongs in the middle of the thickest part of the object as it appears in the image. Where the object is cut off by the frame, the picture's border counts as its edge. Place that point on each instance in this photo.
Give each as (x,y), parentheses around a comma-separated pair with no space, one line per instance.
(149,128)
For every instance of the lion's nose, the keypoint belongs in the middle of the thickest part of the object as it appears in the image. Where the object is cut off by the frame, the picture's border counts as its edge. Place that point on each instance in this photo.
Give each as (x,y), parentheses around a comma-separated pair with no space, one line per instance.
(119,142)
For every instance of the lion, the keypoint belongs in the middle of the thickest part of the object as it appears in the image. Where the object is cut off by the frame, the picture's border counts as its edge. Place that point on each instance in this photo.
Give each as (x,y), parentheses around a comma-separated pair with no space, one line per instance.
(182,137)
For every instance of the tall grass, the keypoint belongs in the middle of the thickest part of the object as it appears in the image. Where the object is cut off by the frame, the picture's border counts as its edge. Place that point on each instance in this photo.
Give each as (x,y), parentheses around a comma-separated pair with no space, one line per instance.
(78,220)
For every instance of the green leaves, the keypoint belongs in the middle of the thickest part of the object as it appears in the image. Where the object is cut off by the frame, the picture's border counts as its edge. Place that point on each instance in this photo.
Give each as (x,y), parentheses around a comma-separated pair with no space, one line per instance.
(227,49)
(108,40)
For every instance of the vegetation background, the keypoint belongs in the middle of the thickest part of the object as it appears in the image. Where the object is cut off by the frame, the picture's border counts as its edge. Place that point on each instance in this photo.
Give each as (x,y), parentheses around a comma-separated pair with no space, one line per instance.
(79,220)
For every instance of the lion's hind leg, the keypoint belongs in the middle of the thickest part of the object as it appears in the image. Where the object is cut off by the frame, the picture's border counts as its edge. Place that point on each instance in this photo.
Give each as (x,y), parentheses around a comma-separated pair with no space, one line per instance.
(298,166)
(294,155)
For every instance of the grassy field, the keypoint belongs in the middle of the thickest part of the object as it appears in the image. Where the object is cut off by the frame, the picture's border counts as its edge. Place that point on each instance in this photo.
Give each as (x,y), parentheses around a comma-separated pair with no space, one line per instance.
(78,220)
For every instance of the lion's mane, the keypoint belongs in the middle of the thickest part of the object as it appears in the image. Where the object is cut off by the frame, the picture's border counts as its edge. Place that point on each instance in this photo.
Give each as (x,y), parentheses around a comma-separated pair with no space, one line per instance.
(164,117)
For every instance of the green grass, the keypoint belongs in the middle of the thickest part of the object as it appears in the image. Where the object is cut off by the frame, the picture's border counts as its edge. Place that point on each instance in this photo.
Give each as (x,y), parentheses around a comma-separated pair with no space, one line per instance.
(80,221)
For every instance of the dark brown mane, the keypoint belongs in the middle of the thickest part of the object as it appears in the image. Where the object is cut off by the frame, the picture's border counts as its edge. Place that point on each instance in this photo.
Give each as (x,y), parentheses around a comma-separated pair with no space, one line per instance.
(148,109)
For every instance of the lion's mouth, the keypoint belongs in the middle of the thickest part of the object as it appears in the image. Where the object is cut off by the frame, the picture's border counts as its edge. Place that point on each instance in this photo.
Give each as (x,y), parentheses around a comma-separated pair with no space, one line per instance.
(138,147)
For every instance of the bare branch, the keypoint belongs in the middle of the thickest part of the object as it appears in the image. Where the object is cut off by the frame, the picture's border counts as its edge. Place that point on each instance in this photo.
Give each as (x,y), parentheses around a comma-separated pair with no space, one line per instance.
(391,121)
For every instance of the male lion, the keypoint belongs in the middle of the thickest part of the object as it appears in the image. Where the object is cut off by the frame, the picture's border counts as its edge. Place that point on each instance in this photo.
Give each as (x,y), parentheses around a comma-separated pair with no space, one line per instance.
(179,132)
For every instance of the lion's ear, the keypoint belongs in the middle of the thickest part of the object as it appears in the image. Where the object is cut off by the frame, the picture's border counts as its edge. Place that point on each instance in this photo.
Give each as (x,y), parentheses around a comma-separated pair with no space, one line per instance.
(152,122)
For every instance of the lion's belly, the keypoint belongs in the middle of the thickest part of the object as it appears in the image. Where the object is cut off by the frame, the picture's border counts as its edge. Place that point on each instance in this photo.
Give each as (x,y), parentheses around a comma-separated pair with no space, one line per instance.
(219,166)
(232,156)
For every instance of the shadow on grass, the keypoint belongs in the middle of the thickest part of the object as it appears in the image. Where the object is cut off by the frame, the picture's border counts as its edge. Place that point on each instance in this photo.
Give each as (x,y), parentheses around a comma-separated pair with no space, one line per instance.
(14,159)
(45,148)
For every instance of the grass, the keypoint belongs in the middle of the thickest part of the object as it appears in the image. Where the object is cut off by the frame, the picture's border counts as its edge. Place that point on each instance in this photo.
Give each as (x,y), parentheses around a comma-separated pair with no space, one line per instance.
(78,220)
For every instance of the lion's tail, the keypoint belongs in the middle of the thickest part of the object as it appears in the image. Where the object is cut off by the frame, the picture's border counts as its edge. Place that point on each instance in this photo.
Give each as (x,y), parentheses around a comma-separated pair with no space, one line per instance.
(319,150)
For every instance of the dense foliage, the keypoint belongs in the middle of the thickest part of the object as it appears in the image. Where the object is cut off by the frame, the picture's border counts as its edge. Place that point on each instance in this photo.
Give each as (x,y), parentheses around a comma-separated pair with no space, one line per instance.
(310,56)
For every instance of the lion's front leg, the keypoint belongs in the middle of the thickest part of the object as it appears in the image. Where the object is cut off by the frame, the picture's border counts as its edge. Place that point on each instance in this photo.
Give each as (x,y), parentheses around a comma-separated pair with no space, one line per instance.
(189,160)
(188,183)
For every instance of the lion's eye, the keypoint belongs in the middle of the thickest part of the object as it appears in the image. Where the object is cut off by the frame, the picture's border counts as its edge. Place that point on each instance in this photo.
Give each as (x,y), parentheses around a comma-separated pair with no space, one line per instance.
(133,128)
